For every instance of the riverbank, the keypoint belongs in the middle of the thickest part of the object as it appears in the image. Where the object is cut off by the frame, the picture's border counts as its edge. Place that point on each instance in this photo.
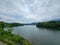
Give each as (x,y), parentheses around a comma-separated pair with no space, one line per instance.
(4,24)
(9,38)
(49,25)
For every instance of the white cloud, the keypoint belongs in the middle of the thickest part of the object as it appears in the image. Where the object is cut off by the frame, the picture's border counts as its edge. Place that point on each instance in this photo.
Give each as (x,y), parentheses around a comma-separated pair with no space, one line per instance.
(29,10)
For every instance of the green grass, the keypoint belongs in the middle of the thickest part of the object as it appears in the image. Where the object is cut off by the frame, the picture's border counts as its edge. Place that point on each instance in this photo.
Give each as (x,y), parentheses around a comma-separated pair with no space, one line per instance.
(9,38)
(12,39)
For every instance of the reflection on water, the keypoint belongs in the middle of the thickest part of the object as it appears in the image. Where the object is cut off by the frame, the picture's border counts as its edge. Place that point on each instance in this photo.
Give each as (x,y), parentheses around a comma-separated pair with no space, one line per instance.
(38,36)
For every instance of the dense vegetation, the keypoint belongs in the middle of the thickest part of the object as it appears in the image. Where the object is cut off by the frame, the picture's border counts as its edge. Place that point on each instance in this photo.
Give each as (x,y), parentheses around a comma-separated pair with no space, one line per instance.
(9,38)
(3,24)
(50,24)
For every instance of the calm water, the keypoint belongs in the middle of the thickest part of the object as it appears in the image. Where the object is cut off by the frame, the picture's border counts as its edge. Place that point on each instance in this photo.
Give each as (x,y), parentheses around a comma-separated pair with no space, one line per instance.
(38,36)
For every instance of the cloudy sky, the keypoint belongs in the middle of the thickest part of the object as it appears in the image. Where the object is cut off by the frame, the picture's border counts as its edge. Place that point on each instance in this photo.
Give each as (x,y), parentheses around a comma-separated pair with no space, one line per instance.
(27,11)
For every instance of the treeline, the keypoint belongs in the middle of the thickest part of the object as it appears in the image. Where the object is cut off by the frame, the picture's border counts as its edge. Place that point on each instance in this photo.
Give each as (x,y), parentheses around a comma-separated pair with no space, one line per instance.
(50,24)
(4,24)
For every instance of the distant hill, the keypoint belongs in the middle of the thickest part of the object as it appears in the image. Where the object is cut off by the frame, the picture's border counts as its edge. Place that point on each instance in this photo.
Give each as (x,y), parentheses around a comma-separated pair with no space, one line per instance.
(34,23)
(57,19)
(50,24)
(4,24)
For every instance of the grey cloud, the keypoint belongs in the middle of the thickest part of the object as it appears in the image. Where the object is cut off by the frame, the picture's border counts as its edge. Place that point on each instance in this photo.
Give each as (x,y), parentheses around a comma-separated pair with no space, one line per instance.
(20,9)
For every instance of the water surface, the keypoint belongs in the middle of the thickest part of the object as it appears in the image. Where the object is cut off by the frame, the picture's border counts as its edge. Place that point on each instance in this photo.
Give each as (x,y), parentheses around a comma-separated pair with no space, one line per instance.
(38,36)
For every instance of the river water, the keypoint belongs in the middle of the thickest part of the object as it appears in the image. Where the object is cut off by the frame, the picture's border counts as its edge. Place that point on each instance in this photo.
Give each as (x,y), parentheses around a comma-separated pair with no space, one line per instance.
(38,36)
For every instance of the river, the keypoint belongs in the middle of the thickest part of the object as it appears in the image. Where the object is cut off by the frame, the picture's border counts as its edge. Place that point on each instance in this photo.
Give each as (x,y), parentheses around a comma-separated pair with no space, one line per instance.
(38,36)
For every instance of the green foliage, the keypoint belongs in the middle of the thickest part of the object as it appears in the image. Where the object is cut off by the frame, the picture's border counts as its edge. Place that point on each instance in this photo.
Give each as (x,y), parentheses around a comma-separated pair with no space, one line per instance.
(12,39)
(9,38)
(50,24)
(3,24)
(16,24)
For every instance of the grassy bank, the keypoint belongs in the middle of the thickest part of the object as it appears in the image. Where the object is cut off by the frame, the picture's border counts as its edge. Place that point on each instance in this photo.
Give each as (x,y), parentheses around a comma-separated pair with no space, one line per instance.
(9,38)
(12,39)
